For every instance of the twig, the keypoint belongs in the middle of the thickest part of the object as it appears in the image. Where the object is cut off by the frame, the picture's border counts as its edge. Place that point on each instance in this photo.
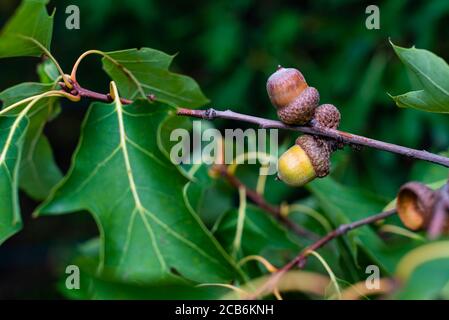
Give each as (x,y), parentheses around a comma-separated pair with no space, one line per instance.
(339,136)
(260,201)
(341,230)
(78,90)
(301,259)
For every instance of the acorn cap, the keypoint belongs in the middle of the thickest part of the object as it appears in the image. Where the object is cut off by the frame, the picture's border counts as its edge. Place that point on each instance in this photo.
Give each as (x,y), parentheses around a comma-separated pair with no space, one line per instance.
(318,153)
(327,115)
(414,205)
(284,86)
(295,167)
(301,109)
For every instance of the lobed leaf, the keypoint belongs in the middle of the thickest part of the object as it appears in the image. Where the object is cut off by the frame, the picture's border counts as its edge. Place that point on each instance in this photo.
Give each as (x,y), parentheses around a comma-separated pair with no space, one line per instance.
(136,197)
(431,72)
(12,133)
(28,32)
(19,132)
(141,72)
(105,286)
(38,170)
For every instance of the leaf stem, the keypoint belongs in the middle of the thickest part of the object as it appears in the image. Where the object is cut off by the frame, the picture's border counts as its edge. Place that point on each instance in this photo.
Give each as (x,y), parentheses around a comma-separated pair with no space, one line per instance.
(22,114)
(18,103)
(329,272)
(51,93)
(240,222)
(80,58)
(49,55)
(98,96)
(311,213)
(86,93)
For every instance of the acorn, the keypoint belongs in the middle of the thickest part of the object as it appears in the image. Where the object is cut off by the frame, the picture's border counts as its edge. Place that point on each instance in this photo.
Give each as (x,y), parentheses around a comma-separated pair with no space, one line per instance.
(303,162)
(414,205)
(327,115)
(289,93)
(301,109)
(284,86)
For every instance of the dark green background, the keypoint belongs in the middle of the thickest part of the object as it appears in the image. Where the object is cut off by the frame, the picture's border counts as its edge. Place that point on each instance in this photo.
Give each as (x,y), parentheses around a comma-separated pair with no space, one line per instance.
(230,48)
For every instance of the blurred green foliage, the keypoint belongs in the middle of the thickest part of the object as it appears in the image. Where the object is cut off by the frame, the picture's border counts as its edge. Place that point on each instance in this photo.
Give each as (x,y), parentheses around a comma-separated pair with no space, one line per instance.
(231,47)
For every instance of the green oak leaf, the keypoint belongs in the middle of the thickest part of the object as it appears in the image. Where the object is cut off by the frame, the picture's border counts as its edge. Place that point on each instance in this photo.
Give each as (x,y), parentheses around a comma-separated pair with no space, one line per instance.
(260,232)
(209,197)
(214,201)
(47,71)
(23,91)
(14,126)
(137,199)
(342,205)
(165,139)
(104,286)
(427,281)
(12,133)
(431,73)
(140,72)
(261,235)
(423,272)
(28,32)
(38,170)
(93,286)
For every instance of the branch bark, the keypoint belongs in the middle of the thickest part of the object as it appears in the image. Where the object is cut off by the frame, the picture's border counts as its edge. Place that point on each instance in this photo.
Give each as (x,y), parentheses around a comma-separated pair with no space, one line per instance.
(78,90)
(341,230)
(337,135)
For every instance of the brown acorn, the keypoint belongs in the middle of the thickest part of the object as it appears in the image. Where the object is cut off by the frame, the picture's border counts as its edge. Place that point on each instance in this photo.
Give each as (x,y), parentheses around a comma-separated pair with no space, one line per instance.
(303,162)
(293,98)
(319,156)
(284,86)
(415,204)
(301,109)
(327,115)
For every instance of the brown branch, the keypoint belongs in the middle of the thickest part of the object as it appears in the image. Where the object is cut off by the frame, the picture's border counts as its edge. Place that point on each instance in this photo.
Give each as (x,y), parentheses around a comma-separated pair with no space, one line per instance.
(337,135)
(301,259)
(341,230)
(78,90)
(260,201)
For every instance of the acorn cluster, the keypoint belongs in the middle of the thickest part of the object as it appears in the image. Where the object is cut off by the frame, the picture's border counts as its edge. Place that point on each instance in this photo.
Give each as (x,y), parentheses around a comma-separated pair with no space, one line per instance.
(298,104)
